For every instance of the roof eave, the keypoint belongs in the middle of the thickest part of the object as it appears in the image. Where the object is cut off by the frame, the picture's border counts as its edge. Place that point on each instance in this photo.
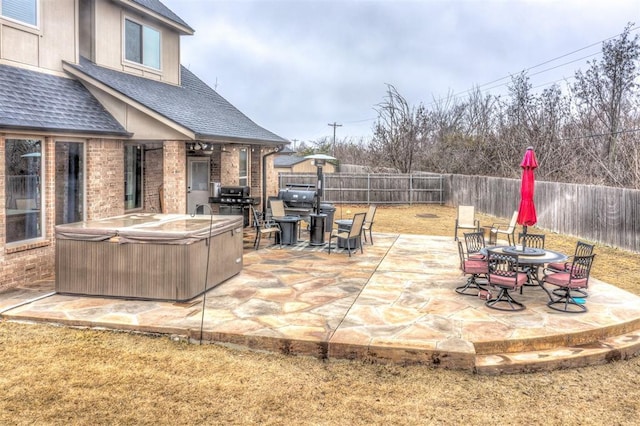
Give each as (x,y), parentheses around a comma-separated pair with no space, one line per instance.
(239,140)
(64,131)
(182,29)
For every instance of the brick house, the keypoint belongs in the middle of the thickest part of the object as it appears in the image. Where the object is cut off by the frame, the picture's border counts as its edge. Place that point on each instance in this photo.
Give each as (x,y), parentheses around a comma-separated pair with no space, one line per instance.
(98,118)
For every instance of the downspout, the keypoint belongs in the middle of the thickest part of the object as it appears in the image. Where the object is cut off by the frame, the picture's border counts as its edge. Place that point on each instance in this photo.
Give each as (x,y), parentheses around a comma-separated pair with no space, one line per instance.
(264,178)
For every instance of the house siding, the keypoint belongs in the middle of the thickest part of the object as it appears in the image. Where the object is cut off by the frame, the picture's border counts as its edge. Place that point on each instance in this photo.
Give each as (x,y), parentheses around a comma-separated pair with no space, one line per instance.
(48,45)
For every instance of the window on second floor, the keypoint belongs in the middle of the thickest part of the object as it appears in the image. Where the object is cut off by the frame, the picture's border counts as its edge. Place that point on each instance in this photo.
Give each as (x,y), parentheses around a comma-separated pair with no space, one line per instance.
(25,11)
(141,44)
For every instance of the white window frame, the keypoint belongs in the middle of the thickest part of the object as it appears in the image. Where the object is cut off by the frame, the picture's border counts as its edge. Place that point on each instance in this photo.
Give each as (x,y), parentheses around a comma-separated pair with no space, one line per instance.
(124,44)
(37,23)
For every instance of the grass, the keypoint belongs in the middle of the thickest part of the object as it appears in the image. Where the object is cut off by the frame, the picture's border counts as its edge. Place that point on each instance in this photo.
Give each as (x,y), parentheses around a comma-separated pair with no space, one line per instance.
(51,375)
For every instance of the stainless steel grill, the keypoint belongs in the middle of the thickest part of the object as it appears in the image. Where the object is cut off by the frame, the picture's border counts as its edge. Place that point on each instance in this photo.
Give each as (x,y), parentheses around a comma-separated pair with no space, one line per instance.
(235,200)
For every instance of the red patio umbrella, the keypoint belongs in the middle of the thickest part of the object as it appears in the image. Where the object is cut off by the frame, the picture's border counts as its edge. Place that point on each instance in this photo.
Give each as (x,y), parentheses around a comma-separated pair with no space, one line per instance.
(527,211)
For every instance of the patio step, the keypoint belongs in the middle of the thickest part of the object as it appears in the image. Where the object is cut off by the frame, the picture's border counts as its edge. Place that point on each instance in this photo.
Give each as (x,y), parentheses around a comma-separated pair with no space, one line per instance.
(602,351)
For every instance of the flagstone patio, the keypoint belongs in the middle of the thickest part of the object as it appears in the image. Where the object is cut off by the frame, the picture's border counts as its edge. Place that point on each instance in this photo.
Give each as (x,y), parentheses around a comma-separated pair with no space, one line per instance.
(394,303)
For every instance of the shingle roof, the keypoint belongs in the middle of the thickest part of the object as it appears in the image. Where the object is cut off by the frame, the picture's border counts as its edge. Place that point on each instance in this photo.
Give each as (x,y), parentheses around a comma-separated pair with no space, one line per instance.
(193,105)
(159,8)
(287,160)
(38,101)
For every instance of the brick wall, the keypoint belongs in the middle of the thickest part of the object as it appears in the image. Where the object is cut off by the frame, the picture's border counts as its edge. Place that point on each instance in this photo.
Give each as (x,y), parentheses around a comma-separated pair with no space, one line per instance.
(153,168)
(175,177)
(105,175)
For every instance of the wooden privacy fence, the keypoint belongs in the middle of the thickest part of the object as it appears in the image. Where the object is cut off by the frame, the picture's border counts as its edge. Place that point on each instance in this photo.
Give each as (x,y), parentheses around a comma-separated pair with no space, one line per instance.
(366,188)
(598,213)
(601,214)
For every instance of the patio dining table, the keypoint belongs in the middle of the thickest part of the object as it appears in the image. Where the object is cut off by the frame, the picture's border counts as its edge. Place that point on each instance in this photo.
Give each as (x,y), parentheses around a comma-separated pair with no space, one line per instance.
(530,257)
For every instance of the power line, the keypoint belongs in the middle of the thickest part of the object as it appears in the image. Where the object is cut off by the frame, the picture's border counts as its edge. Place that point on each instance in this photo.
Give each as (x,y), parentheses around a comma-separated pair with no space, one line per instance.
(460,94)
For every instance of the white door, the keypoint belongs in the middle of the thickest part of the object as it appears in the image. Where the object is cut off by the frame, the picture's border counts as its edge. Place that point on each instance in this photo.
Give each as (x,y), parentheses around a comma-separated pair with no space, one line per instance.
(197,183)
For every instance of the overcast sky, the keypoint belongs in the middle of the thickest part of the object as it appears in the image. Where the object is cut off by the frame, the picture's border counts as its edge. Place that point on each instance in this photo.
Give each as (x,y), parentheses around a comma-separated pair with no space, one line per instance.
(294,66)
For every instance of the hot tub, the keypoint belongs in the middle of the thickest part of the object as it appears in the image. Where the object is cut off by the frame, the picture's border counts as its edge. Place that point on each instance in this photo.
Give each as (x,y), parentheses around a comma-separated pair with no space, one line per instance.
(147,256)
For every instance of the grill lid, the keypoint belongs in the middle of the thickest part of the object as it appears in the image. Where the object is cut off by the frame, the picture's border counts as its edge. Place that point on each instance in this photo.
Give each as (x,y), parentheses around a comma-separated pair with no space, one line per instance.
(235,191)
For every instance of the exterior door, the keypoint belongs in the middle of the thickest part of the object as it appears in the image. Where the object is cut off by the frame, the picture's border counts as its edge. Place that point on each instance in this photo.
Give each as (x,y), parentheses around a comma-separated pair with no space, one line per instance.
(197,183)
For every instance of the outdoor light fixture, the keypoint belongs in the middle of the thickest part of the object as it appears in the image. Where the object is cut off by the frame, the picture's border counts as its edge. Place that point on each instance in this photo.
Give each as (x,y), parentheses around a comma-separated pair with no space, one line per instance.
(317,219)
(202,147)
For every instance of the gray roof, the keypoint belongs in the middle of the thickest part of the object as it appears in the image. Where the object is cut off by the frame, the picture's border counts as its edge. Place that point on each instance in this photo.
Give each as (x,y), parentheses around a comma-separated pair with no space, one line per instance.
(159,8)
(287,160)
(193,105)
(31,100)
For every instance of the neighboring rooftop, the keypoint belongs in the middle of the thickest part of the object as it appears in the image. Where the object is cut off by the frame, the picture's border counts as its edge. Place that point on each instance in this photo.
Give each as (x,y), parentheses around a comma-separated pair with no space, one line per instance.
(34,100)
(193,105)
(287,160)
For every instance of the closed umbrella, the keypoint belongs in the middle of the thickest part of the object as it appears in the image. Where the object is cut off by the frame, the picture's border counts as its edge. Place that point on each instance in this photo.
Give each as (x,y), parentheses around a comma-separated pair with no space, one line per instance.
(527,211)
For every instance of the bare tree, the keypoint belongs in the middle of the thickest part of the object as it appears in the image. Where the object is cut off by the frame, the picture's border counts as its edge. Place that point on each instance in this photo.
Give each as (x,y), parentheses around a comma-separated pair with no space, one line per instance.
(397,132)
(604,90)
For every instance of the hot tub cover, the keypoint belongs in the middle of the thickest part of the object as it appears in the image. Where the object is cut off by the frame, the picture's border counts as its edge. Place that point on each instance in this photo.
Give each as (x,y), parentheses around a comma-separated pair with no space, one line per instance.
(149,228)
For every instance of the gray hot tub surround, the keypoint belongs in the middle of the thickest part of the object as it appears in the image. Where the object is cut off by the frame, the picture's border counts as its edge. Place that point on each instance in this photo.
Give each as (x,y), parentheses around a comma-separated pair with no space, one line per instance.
(147,256)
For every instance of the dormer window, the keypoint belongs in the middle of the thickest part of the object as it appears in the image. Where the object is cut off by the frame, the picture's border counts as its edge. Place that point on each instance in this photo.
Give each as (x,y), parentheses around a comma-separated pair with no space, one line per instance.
(141,44)
(24,11)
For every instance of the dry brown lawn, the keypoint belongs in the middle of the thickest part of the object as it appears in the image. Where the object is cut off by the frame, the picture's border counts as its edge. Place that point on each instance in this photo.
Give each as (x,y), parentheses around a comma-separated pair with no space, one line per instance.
(51,375)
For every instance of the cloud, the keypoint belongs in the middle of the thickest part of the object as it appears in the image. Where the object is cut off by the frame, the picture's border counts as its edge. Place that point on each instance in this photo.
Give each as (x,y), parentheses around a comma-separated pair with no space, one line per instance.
(295,66)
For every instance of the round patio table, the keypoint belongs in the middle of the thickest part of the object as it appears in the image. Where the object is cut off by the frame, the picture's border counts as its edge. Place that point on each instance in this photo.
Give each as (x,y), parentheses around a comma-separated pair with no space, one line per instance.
(529,257)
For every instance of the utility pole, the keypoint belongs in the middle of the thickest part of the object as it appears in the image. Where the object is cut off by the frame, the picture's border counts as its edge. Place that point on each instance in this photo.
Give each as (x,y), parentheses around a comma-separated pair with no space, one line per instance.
(333,147)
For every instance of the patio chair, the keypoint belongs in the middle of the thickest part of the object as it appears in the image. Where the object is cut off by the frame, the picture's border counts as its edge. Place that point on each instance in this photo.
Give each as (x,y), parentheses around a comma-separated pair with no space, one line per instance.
(368,223)
(474,242)
(504,274)
(507,229)
(473,267)
(466,219)
(353,234)
(264,227)
(277,208)
(582,249)
(576,278)
(536,241)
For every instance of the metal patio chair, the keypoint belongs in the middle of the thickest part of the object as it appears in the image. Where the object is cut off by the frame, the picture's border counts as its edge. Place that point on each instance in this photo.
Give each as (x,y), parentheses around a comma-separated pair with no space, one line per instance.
(264,227)
(576,278)
(353,234)
(474,241)
(505,275)
(535,241)
(368,223)
(507,229)
(475,268)
(466,219)
(582,249)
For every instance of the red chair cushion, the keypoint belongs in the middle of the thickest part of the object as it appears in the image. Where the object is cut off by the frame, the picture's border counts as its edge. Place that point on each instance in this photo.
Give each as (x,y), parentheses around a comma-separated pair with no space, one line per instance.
(559,266)
(476,267)
(563,279)
(509,282)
